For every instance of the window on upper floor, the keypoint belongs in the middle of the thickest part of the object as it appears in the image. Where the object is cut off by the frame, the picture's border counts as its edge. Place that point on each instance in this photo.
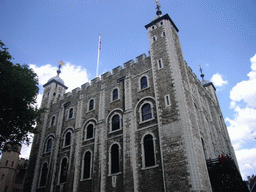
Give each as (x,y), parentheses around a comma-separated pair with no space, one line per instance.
(48,145)
(44,171)
(67,139)
(53,121)
(115,94)
(146,112)
(71,113)
(115,122)
(148,147)
(63,170)
(89,131)
(91,105)
(143,82)
(167,100)
(87,165)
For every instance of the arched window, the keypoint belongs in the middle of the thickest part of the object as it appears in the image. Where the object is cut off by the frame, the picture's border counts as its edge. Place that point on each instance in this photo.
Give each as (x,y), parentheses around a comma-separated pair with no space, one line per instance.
(63,170)
(70,115)
(67,139)
(48,145)
(91,105)
(89,131)
(115,94)
(53,121)
(146,112)
(115,122)
(149,151)
(143,82)
(87,165)
(114,155)
(44,171)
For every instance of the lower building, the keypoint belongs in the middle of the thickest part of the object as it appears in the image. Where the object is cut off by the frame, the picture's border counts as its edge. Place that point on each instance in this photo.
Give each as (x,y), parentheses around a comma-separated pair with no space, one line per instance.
(12,169)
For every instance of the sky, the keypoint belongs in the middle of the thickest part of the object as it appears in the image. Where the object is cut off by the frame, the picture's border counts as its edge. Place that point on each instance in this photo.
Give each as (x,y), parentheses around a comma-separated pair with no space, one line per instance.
(218,34)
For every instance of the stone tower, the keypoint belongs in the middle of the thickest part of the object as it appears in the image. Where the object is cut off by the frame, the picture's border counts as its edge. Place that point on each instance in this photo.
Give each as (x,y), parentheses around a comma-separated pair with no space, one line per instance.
(147,126)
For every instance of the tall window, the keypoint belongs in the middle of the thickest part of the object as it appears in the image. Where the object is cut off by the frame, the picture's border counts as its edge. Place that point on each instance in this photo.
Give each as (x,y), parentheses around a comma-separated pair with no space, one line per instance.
(44,174)
(146,112)
(115,94)
(48,146)
(67,139)
(149,152)
(143,82)
(87,165)
(114,159)
(89,131)
(63,170)
(91,105)
(53,121)
(71,111)
(115,122)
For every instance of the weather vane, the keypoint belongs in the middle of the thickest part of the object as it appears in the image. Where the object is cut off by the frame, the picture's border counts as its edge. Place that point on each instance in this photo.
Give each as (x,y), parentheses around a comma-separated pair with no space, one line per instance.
(201,70)
(159,12)
(59,65)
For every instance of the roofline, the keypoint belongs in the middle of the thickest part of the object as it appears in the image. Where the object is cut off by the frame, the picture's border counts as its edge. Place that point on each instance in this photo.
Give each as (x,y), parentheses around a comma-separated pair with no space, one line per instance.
(54,81)
(166,16)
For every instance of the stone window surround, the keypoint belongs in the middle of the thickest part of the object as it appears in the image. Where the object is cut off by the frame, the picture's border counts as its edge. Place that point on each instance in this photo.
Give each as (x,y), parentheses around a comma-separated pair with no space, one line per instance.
(60,169)
(82,171)
(69,113)
(64,138)
(40,176)
(53,121)
(160,63)
(120,120)
(143,152)
(152,111)
(88,109)
(46,143)
(148,84)
(85,131)
(109,159)
(118,94)
(167,100)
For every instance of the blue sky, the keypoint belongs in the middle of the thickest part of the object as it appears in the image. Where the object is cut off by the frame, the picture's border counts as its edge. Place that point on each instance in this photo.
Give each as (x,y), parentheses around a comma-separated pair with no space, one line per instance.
(220,35)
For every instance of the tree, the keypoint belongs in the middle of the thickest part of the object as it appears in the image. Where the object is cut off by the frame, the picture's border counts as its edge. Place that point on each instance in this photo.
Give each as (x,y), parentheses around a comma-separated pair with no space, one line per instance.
(18,91)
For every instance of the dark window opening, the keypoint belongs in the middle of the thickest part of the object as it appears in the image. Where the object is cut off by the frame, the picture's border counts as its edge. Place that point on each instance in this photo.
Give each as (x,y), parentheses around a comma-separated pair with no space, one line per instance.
(43,175)
(115,122)
(53,121)
(91,105)
(49,145)
(114,159)
(89,133)
(146,112)
(70,113)
(160,63)
(67,138)
(143,82)
(115,94)
(87,165)
(149,151)
(63,171)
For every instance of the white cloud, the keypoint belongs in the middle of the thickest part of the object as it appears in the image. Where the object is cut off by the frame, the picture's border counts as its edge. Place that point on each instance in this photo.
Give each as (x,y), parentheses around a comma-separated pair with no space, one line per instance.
(242,128)
(218,80)
(73,76)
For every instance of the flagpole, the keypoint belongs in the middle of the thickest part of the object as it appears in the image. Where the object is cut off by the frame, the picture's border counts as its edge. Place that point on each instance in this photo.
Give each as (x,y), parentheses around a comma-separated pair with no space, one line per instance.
(98,60)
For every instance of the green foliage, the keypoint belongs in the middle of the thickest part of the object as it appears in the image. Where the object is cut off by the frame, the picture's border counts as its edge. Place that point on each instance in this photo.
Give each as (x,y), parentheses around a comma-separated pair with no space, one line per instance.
(18,91)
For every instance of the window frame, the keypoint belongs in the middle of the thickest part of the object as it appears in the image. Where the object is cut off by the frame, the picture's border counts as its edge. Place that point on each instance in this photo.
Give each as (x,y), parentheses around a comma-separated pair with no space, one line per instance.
(72,108)
(152,111)
(111,122)
(112,94)
(60,170)
(143,151)
(86,131)
(167,100)
(42,174)
(53,121)
(89,105)
(160,62)
(83,166)
(110,160)
(64,138)
(46,145)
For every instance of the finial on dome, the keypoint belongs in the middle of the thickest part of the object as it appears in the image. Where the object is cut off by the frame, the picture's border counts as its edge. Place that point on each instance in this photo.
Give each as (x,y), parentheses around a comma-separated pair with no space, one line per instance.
(158,12)
(201,70)
(60,64)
